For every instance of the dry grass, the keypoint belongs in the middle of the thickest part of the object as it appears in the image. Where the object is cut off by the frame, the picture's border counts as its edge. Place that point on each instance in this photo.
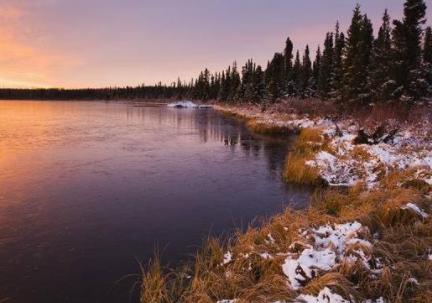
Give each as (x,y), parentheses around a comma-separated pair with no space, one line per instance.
(250,116)
(402,241)
(308,144)
(153,286)
(268,129)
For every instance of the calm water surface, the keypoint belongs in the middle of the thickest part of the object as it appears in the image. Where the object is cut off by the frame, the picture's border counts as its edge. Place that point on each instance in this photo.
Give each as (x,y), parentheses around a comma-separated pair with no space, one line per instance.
(89,189)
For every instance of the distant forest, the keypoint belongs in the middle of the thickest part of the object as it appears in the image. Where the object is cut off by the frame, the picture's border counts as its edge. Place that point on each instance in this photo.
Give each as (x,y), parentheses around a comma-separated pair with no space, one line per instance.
(351,67)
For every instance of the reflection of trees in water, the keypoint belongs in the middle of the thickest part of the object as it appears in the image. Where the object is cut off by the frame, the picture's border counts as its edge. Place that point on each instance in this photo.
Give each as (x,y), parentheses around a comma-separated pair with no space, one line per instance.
(213,126)
(235,135)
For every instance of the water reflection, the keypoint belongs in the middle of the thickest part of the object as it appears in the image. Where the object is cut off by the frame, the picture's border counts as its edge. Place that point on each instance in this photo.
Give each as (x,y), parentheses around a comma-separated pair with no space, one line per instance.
(216,127)
(88,188)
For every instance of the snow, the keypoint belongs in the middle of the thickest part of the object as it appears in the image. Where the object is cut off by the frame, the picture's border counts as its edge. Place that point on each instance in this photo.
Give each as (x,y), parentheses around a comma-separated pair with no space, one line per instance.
(333,170)
(330,246)
(416,209)
(324,296)
(305,267)
(187,104)
(183,104)
(411,148)
(227,258)
(270,237)
(338,236)
(266,256)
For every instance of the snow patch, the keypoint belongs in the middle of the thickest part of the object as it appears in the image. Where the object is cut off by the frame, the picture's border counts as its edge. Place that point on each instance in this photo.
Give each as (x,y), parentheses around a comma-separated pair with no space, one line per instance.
(187,104)
(416,209)
(301,270)
(331,246)
(324,296)
(227,258)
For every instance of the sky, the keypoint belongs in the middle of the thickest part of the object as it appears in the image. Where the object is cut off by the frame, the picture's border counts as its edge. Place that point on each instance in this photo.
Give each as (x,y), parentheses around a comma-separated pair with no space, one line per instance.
(99,43)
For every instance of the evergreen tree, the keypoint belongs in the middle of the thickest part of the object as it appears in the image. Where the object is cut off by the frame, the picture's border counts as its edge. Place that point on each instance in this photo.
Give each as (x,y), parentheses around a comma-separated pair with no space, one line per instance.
(427,58)
(225,85)
(337,70)
(381,84)
(427,46)
(326,66)
(275,77)
(407,34)
(306,74)
(248,91)
(259,85)
(235,82)
(357,57)
(316,69)
(288,56)
(296,75)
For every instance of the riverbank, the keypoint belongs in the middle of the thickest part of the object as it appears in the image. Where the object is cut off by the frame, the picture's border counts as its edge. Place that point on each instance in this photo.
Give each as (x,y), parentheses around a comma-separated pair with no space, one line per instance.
(346,150)
(367,236)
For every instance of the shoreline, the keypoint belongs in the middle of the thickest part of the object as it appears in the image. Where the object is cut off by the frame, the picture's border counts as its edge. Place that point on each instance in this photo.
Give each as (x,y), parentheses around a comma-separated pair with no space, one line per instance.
(366,238)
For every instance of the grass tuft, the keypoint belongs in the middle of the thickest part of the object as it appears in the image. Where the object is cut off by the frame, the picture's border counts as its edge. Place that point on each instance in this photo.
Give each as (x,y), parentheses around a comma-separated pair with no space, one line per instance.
(308,144)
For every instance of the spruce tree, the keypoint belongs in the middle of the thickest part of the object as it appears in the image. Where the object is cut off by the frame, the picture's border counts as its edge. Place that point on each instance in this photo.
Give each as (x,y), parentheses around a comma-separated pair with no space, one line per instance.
(316,69)
(407,34)
(275,77)
(258,85)
(337,70)
(288,56)
(225,85)
(235,83)
(427,58)
(248,91)
(296,75)
(427,46)
(357,57)
(306,74)
(381,84)
(326,66)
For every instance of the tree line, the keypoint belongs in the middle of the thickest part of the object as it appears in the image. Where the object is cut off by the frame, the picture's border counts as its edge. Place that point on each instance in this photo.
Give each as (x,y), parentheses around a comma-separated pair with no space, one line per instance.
(352,67)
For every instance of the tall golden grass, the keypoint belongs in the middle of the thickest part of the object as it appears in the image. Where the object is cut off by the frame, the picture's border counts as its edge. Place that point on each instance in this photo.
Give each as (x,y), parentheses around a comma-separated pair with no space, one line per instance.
(309,142)
(402,241)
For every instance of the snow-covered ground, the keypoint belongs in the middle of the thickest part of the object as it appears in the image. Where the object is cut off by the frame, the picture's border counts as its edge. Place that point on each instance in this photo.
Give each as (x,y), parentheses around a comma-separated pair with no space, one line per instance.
(319,250)
(347,163)
(324,249)
(409,150)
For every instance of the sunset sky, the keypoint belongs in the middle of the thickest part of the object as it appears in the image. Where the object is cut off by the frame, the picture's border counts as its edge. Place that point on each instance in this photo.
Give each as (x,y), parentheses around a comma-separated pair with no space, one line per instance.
(83,43)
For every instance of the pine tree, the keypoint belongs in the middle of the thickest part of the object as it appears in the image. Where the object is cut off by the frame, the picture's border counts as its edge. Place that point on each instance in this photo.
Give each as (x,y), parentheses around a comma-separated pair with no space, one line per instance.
(357,57)
(326,66)
(337,71)
(225,85)
(427,46)
(427,58)
(259,85)
(316,69)
(381,84)
(248,91)
(235,83)
(306,74)
(296,75)
(288,56)
(407,34)
(275,77)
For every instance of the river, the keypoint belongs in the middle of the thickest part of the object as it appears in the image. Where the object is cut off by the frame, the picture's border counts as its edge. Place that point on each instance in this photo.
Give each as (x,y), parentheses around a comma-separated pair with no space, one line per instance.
(90,189)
